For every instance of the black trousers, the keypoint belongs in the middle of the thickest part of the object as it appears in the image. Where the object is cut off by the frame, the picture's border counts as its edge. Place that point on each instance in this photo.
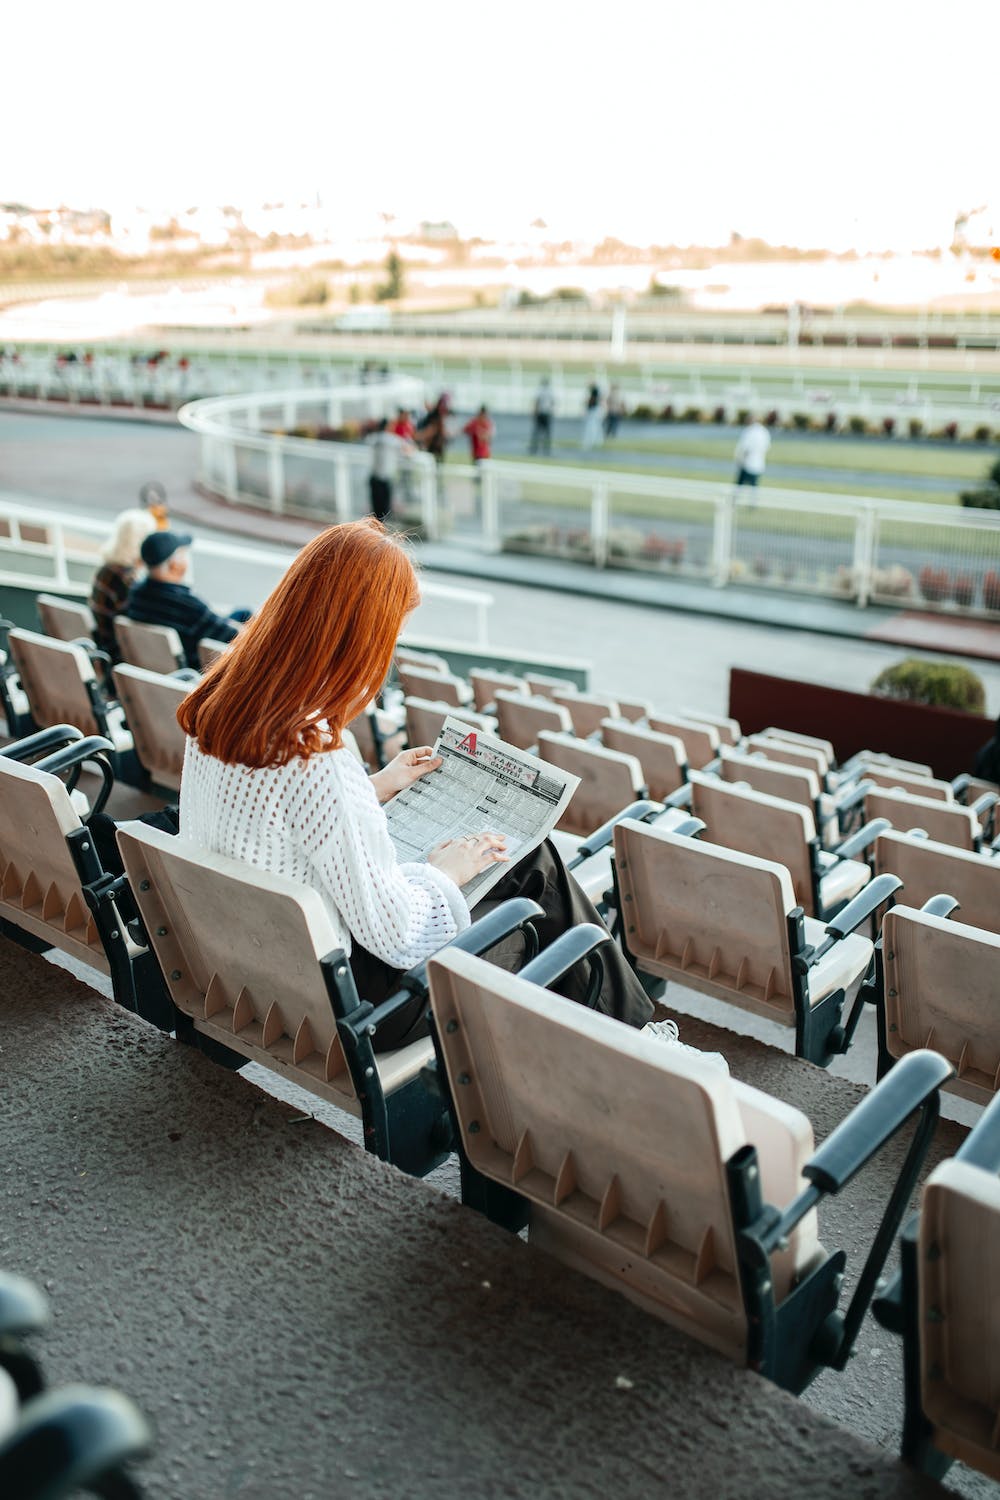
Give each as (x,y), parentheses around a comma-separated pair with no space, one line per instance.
(542,877)
(381,493)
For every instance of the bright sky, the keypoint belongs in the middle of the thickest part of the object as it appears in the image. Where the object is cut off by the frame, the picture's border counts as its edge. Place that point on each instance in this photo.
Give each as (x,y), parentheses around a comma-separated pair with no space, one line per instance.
(864,122)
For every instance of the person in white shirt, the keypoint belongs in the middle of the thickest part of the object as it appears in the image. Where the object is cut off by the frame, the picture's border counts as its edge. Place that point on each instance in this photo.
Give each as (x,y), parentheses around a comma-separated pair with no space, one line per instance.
(387,452)
(751,452)
(267,779)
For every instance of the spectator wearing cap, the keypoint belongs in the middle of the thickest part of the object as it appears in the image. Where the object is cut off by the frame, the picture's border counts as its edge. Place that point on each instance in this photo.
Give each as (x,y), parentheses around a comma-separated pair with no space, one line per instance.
(163,597)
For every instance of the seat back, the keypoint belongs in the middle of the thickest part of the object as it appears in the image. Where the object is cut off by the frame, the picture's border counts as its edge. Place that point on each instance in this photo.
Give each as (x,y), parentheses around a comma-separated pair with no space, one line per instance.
(40,890)
(156,648)
(521,720)
(484,686)
(777,779)
(700,741)
(941,991)
(809,740)
(544,686)
(424,720)
(959,1286)
(927,869)
(426,661)
(918,786)
(892,762)
(151,701)
(64,619)
(633,709)
(619,1142)
(728,729)
(757,823)
(805,757)
(435,687)
(711,918)
(609,780)
(239,949)
(944,822)
(978,787)
(54,675)
(661,756)
(209,652)
(586,710)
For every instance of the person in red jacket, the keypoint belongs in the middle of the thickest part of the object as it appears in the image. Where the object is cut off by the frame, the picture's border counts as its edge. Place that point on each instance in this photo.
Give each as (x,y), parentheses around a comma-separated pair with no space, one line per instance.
(480,432)
(403,426)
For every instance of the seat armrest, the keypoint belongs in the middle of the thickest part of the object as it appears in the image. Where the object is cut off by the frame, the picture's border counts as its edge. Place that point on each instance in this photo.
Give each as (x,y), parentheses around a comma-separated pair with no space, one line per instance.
(852,796)
(863,906)
(567,950)
(511,917)
(981,1147)
(873,1122)
(862,840)
(940,906)
(74,1440)
(984,803)
(93,747)
(689,828)
(681,798)
(23,1308)
(960,785)
(42,743)
(601,837)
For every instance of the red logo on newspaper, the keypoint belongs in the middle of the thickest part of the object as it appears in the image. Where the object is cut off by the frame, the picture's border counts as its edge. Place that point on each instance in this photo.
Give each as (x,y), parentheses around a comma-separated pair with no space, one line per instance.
(469,743)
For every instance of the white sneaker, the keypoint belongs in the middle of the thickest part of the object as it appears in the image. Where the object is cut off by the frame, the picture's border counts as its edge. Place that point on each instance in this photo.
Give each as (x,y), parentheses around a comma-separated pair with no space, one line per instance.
(666,1031)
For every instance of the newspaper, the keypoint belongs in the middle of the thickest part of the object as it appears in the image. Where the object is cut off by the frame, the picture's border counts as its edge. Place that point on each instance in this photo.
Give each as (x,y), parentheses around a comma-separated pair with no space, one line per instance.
(484,786)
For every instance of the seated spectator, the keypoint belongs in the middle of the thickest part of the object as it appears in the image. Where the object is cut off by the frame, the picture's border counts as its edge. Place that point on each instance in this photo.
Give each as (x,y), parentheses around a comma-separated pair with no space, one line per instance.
(267,779)
(114,578)
(163,598)
(988,758)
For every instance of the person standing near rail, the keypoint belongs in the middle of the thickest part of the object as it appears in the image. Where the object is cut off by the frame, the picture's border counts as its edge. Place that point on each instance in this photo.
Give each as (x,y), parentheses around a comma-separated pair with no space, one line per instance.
(751,452)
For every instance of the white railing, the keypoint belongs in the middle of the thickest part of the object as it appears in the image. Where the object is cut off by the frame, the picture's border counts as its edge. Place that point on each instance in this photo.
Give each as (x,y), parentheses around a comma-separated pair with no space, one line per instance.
(846,546)
(43,549)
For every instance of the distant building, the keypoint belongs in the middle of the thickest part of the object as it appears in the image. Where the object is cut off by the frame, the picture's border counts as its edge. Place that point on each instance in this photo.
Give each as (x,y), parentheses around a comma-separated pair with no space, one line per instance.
(979,228)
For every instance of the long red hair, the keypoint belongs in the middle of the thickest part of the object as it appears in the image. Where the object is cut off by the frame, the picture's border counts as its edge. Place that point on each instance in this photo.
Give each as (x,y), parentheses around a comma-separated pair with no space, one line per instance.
(318,650)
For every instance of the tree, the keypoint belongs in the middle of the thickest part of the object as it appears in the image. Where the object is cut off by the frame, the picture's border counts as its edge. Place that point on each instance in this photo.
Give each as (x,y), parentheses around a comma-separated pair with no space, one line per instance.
(393,288)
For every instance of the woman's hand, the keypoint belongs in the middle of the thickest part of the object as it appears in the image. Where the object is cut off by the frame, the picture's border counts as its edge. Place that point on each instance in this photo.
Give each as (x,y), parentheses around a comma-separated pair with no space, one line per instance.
(465,858)
(408,767)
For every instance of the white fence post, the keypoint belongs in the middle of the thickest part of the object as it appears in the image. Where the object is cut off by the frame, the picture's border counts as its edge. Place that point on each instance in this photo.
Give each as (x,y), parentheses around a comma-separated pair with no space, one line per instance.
(489,493)
(228,467)
(864,555)
(427,480)
(599,507)
(341,488)
(722,541)
(276,476)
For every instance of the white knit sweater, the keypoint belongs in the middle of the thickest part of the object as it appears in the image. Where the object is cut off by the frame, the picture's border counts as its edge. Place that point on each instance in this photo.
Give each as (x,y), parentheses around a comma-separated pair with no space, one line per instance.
(318,821)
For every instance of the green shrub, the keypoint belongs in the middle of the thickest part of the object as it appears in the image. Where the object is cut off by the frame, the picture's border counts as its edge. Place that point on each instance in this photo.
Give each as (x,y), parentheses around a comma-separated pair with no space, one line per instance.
(801,420)
(988,498)
(916,427)
(941,684)
(691,414)
(857,424)
(643,413)
(983,434)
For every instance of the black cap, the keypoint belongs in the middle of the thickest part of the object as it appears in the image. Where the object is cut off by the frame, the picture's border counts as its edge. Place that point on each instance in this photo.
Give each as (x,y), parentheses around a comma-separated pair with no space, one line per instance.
(160,546)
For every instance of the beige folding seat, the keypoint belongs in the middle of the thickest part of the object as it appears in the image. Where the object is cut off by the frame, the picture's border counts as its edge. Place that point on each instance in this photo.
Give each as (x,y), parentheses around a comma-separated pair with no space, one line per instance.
(917,786)
(521,720)
(544,686)
(941,990)
(255,965)
(737,817)
(586,710)
(976,787)
(157,648)
(618,1152)
(728,729)
(435,687)
(209,652)
(944,822)
(65,619)
(890,762)
(806,757)
(700,741)
(62,688)
(425,661)
(661,756)
(424,720)
(378,736)
(928,869)
(809,741)
(635,710)
(609,780)
(485,684)
(151,701)
(778,779)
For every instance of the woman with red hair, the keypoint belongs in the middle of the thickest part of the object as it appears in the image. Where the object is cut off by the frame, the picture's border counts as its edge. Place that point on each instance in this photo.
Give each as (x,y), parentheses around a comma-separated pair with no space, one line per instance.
(268,780)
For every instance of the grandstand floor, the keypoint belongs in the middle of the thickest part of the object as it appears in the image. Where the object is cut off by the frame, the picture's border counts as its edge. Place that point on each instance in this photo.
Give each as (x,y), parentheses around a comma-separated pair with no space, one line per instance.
(297,1317)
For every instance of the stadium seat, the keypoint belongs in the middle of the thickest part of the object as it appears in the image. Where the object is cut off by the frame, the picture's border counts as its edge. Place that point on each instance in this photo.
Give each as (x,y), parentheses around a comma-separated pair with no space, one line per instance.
(64,619)
(891,762)
(485,684)
(728,729)
(944,822)
(155,648)
(927,869)
(255,970)
(426,661)
(544,686)
(700,741)
(942,1302)
(151,701)
(521,719)
(936,985)
(917,786)
(661,756)
(424,720)
(809,741)
(61,1442)
(209,652)
(61,686)
(779,779)
(730,924)
(609,780)
(635,710)
(586,710)
(54,892)
(435,687)
(752,822)
(805,757)
(653,1171)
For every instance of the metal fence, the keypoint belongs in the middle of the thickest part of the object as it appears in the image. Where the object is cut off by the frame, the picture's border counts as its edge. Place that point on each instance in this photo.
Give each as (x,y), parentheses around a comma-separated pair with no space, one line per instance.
(845,546)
